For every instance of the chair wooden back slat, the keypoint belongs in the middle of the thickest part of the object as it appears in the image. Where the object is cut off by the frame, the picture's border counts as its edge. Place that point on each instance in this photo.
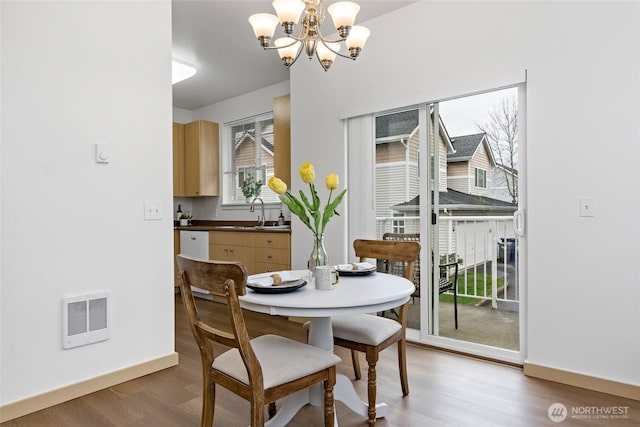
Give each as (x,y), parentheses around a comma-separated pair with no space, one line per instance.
(387,249)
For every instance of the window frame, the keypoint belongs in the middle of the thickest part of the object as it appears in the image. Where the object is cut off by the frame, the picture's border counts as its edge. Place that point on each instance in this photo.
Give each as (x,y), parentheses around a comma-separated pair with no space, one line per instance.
(232,174)
(483,176)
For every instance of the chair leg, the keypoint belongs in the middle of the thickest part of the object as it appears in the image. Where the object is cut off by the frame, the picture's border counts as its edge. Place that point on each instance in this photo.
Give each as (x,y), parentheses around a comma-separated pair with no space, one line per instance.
(208,400)
(329,404)
(272,409)
(402,365)
(257,410)
(455,305)
(372,360)
(356,364)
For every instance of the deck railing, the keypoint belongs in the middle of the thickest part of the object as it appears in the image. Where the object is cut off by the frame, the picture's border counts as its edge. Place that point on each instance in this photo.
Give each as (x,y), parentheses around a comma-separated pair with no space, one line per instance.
(484,246)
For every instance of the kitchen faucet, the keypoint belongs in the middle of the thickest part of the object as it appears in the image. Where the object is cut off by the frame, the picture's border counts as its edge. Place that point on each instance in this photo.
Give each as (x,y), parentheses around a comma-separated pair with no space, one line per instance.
(251,209)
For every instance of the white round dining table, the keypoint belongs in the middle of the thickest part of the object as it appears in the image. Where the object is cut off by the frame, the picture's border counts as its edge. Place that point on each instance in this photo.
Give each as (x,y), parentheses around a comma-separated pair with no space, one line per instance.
(354,294)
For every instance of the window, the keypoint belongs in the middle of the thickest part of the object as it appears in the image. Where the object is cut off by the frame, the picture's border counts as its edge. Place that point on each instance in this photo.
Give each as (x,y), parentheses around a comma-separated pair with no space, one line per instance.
(481,178)
(252,154)
(397,225)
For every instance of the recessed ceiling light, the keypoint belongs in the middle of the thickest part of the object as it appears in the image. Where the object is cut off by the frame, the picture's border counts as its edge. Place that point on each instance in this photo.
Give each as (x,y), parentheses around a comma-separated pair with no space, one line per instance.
(181,71)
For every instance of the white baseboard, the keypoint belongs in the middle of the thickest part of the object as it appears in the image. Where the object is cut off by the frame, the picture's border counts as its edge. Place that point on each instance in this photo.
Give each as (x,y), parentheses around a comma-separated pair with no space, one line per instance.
(615,388)
(82,388)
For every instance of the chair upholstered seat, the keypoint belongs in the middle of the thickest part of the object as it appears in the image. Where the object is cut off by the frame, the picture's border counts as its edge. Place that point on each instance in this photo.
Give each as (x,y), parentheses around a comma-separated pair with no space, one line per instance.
(280,359)
(364,328)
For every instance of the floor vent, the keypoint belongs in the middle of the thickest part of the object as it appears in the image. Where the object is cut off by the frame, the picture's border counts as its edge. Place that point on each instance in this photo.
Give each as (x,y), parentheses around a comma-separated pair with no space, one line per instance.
(85,319)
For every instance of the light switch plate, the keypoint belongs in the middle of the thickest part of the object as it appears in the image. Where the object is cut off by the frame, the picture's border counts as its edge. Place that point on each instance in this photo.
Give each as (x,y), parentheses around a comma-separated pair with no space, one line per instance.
(103,155)
(587,206)
(152,211)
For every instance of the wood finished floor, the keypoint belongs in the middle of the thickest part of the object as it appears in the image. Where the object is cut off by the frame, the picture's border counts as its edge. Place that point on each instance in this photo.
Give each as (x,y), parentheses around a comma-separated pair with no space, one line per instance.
(445,390)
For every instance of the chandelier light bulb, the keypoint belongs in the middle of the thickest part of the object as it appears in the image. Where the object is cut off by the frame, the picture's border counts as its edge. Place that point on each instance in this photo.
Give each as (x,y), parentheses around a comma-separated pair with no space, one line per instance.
(358,36)
(288,11)
(264,25)
(287,49)
(343,14)
(327,53)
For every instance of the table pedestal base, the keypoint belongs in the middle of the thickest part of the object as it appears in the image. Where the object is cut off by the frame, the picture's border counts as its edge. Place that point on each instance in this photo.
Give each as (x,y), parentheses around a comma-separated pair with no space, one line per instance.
(343,392)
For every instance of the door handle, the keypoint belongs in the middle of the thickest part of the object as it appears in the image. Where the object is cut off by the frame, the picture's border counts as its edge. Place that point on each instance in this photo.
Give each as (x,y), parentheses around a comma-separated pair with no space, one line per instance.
(519,222)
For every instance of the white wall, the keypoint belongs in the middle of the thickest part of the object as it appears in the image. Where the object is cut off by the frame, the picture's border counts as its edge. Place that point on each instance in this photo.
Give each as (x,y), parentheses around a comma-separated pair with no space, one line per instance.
(73,74)
(583,65)
(181,115)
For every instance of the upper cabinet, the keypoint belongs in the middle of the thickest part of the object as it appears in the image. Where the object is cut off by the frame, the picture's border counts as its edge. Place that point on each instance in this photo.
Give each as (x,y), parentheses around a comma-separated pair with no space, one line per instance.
(196,172)
(282,138)
(179,188)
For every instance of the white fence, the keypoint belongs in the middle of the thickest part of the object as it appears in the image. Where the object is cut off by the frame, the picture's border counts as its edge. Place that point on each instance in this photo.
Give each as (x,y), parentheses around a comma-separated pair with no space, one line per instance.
(484,246)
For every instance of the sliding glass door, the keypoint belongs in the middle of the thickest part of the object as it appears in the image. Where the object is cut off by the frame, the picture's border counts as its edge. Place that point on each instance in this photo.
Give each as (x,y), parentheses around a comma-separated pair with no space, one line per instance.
(446,174)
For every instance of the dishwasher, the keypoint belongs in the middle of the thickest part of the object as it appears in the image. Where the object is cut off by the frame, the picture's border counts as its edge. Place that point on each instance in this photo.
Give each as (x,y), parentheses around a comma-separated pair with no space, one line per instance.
(195,244)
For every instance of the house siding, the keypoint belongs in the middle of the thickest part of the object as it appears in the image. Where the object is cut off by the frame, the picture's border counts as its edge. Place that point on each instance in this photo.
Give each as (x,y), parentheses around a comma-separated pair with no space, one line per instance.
(458,176)
(391,187)
(390,152)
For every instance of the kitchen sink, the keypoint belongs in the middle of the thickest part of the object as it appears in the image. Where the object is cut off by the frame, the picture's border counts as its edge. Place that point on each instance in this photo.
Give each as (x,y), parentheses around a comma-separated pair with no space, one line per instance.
(253,227)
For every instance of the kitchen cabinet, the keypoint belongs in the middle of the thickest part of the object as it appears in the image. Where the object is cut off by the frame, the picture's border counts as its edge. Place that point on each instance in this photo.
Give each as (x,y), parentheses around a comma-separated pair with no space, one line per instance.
(272,252)
(258,251)
(196,159)
(179,188)
(282,137)
(232,246)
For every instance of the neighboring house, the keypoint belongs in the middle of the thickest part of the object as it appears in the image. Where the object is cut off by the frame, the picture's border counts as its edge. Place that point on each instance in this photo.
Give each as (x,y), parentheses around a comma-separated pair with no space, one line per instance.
(397,146)
(465,175)
(247,156)
(499,185)
(470,166)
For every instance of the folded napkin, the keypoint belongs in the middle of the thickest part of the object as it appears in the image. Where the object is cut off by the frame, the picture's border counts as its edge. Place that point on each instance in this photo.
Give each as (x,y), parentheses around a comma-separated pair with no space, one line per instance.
(275,279)
(355,266)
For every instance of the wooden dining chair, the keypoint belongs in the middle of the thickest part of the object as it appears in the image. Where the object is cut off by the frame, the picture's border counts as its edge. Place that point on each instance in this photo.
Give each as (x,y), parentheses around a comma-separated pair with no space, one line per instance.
(447,279)
(260,370)
(371,334)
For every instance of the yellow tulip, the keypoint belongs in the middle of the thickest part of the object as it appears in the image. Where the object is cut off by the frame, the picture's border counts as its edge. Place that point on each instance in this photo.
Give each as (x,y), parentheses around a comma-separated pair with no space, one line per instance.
(307,173)
(332,181)
(277,185)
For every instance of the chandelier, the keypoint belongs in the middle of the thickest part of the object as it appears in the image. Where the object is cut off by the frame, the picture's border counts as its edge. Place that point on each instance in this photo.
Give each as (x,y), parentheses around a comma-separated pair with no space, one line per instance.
(290,12)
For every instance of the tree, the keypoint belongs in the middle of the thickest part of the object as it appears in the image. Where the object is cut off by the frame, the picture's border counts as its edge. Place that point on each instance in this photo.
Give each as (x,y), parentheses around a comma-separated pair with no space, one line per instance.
(501,130)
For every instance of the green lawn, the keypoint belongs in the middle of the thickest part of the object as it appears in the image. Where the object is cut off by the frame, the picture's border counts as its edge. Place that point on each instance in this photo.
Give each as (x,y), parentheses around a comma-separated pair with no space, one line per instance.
(477,290)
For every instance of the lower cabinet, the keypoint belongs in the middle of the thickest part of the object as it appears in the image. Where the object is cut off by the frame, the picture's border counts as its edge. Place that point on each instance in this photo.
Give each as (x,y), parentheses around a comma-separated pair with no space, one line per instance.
(259,252)
(272,252)
(232,246)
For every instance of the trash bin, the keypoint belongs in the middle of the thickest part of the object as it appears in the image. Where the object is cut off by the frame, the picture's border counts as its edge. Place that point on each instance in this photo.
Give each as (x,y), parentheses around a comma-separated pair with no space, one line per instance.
(510,251)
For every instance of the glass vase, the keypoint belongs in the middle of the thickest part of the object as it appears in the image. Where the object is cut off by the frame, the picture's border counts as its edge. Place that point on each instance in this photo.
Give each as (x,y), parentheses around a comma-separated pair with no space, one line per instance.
(318,254)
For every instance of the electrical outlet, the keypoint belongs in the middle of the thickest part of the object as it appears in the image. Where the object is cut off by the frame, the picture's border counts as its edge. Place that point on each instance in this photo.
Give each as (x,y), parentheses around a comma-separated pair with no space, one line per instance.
(587,206)
(152,211)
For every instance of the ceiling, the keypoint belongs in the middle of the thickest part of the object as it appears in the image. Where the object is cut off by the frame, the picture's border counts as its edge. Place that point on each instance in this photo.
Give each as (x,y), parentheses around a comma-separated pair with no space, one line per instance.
(216,38)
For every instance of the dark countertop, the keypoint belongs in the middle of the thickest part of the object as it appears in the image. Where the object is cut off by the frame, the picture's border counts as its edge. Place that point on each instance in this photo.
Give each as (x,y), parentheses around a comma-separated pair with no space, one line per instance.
(237,226)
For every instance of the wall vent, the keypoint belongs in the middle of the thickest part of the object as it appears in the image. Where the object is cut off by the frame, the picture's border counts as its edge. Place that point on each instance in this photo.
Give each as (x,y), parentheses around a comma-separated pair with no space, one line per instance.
(85,319)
